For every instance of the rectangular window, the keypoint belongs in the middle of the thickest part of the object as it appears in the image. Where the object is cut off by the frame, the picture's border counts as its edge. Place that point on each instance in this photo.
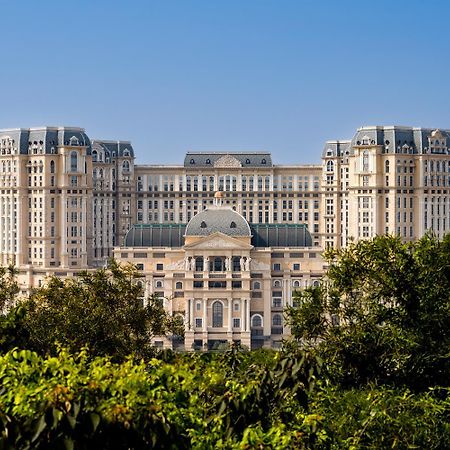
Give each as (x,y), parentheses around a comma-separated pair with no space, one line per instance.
(236,322)
(277,303)
(198,322)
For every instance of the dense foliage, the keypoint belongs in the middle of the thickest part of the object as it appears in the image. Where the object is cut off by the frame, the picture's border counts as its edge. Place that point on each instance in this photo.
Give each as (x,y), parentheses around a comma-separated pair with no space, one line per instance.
(368,365)
(235,400)
(392,303)
(208,401)
(103,310)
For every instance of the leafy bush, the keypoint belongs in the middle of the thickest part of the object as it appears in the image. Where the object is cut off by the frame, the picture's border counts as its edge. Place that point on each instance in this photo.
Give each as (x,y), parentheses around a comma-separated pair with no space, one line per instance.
(378,418)
(223,401)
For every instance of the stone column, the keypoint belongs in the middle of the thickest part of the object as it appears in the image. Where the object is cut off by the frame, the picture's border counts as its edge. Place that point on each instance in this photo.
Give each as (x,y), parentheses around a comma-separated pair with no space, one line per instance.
(230,311)
(191,315)
(205,315)
(247,322)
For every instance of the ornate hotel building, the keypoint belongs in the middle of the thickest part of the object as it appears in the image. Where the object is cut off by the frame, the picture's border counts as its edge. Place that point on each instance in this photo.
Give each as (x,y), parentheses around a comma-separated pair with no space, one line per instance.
(229,279)
(68,203)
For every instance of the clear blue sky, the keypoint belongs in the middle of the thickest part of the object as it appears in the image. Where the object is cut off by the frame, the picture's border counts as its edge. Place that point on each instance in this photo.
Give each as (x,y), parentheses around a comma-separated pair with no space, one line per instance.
(172,76)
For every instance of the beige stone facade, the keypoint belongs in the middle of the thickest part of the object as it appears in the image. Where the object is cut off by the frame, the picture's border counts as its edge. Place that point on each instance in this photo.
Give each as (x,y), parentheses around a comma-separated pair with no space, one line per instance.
(228,286)
(66,202)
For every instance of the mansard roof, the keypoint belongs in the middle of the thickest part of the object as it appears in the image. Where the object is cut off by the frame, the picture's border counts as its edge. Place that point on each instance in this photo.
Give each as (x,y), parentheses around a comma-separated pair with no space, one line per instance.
(280,235)
(156,235)
(398,139)
(116,148)
(228,159)
(45,139)
(263,235)
(392,139)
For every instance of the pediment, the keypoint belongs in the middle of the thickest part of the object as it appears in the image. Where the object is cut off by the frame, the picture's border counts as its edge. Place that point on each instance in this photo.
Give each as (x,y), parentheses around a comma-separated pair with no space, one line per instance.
(227,161)
(218,241)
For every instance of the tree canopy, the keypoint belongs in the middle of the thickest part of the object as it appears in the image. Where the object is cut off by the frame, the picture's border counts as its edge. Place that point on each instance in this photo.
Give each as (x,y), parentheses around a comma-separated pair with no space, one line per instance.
(103,310)
(382,313)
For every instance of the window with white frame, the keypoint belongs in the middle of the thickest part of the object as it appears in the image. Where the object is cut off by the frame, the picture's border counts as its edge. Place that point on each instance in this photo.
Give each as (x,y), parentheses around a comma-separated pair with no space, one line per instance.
(217,314)
(257,321)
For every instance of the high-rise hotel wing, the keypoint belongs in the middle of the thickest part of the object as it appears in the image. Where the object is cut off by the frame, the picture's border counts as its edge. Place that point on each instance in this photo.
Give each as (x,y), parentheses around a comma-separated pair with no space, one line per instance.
(68,203)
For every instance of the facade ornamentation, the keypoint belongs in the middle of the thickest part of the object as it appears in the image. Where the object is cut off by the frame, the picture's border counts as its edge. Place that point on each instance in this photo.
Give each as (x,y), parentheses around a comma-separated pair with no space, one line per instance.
(227,161)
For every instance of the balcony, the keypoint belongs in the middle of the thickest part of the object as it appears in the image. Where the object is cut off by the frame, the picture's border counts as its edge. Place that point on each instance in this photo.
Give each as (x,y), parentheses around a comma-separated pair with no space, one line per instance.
(217,284)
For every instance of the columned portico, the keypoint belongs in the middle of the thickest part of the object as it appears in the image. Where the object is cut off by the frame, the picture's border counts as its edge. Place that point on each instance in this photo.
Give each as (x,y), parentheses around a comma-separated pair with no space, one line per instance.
(221,275)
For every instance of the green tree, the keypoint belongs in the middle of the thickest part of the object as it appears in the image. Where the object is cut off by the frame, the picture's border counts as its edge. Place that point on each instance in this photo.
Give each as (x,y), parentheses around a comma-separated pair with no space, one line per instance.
(8,287)
(383,312)
(103,310)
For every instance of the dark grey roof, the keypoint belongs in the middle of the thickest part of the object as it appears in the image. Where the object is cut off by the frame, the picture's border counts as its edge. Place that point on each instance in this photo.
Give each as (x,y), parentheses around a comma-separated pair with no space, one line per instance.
(263,235)
(212,159)
(45,139)
(336,148)
(280,235)
(398,139)
(218,219)
(117,148)
(156,235)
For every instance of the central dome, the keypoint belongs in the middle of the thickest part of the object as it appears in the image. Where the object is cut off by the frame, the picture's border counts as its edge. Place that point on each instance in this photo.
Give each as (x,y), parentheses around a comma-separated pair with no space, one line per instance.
(218,219)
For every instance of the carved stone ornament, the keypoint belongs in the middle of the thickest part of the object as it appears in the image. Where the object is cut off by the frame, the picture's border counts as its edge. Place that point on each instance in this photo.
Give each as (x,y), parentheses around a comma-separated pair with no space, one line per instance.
(255,265)
(227,161)
(218,243)
(176,265)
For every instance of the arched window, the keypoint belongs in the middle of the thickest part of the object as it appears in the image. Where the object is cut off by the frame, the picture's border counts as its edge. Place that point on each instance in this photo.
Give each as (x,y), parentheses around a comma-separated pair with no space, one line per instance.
(386,166)
(256,321)
(126,152)
(233,225)
(256,285)
(296,283)
(316,283)
(159,284)
(126,166)
(178,285)
(203,224)
(217,315)
(263,161)
(192,161)
(73,140)
(94,155)
(52,166)
(208,161)
(330,166)
(247,161)
(73,161)
(277,283)
(365,161)
(277,320)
